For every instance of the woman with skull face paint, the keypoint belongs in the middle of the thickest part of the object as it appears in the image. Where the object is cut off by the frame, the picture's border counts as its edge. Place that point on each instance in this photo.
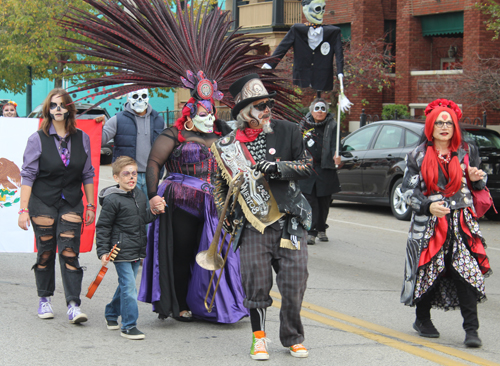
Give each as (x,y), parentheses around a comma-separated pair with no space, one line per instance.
(9,109)
(56,163)
(446,262)
(171,280)
(319,129)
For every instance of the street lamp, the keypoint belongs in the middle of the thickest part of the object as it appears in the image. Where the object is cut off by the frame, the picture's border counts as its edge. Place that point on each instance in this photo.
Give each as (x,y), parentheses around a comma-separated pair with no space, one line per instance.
(452,51)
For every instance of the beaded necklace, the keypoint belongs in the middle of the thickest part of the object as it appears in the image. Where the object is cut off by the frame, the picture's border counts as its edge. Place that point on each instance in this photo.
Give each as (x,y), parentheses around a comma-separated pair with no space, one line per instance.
(444,158)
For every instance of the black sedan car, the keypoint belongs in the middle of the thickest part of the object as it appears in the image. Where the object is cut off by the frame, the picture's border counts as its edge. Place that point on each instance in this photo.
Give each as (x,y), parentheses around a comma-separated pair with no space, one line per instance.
(373,162)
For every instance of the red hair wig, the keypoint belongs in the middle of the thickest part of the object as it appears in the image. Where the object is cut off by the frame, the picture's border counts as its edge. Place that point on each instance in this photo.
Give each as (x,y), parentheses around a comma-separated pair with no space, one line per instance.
(430,165)
(190,109)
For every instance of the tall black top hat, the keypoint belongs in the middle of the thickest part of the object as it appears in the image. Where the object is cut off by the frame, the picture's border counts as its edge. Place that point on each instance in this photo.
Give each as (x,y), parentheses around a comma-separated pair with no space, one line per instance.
(246,90)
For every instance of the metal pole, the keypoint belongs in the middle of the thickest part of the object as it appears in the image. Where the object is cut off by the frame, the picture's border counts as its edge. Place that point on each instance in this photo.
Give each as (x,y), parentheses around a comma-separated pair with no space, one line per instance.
(484,118)
(29,92)
(362,118)
(168,118)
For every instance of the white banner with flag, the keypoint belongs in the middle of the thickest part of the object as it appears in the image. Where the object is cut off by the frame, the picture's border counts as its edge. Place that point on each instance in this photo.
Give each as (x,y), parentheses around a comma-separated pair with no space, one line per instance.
(15,133)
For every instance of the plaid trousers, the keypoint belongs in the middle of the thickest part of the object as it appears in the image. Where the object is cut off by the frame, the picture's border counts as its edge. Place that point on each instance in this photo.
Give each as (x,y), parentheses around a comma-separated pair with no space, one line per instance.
(259,253)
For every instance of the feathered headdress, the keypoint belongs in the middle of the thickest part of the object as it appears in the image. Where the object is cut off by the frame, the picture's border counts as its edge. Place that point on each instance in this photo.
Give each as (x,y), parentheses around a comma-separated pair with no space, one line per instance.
(144,44)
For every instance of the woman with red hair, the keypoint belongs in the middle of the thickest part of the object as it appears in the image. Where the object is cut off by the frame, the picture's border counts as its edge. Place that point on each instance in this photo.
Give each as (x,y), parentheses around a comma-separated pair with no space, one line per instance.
(446,262)
(171,280)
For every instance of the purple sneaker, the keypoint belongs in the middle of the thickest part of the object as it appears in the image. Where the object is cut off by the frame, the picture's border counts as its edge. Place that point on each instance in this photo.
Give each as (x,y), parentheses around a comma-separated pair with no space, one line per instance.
(45,309)
(75,315)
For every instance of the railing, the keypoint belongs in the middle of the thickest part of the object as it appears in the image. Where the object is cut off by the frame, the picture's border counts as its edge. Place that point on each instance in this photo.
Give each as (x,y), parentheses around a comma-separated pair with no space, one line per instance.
(365,119)
(293,12)
(477,121)
(261,14)
(256,15)
(368,118)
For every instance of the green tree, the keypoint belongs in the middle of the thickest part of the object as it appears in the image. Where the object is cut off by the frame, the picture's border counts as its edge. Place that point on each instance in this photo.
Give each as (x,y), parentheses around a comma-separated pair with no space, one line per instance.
(491,8)
(29,36)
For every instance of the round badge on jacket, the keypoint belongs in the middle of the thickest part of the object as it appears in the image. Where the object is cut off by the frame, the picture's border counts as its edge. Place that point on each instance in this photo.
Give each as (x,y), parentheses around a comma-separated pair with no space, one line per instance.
(325,48)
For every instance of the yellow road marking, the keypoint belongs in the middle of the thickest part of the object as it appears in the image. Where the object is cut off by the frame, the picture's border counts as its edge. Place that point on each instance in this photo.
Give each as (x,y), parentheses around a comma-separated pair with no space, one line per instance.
(385,333)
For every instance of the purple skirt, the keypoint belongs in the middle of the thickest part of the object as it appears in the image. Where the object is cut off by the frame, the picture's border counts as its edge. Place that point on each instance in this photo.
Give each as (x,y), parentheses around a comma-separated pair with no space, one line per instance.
(193,195)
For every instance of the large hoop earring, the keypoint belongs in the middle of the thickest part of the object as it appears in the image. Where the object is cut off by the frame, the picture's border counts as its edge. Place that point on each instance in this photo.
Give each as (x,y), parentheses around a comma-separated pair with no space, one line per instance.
(188,129)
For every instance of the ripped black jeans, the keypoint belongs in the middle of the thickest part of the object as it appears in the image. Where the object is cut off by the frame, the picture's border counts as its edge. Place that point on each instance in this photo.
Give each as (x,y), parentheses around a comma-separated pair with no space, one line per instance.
(57,227)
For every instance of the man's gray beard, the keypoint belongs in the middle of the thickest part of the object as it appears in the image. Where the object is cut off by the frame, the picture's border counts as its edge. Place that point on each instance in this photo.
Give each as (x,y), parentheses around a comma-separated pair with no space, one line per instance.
(267,128)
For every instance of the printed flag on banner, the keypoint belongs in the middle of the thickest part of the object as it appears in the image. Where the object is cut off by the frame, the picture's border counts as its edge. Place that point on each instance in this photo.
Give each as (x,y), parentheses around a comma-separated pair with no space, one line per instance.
(16,134)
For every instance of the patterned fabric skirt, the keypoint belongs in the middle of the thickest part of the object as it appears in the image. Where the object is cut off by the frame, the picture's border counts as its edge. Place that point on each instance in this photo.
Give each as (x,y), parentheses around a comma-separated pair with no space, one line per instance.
(462,251)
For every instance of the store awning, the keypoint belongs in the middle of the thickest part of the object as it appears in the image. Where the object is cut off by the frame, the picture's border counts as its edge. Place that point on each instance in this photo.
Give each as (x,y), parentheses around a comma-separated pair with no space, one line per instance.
(346,31)
(444,24)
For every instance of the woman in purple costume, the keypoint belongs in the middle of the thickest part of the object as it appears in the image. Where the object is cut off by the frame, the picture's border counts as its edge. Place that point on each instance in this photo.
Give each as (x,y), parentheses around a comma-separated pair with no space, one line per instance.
(171,280)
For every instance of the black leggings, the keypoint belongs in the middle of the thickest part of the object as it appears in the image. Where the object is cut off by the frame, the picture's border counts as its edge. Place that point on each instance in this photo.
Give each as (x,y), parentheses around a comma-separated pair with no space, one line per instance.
(320,209)
(186,234)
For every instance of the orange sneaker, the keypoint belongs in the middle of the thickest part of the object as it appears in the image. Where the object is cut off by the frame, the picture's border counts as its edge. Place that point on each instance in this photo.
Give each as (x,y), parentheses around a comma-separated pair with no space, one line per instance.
(298,350)
(259,347)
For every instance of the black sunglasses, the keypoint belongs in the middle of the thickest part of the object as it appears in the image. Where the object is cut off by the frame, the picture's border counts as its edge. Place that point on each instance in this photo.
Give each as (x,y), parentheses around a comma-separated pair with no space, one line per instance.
(261,107)
(136,96)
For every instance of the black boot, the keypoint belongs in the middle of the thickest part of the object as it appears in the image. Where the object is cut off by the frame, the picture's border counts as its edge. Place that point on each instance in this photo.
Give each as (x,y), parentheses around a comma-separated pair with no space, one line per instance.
(425,328)
(423,323)
(468,307)
(472,340)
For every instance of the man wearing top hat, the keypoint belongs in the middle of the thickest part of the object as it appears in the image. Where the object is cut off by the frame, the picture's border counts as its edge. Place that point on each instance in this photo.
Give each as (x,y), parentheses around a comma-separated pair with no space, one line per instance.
(272,215)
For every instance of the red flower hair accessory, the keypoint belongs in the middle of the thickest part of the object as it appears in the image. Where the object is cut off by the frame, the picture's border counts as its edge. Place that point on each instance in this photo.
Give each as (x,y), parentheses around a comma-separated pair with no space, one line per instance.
(444,103)
(10,102)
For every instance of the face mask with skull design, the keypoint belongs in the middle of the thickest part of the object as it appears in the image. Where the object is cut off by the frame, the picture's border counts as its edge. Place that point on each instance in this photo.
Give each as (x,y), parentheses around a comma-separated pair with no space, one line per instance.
(204,121)
(139,100)
(314,10)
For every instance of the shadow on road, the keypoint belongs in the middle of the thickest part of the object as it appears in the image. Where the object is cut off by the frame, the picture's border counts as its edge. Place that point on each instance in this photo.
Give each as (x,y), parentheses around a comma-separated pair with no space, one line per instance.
(362,207)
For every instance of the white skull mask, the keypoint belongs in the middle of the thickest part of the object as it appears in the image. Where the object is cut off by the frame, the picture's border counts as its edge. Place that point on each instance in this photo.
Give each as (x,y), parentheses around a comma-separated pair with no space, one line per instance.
(314,10)
(204,123)
(139,100)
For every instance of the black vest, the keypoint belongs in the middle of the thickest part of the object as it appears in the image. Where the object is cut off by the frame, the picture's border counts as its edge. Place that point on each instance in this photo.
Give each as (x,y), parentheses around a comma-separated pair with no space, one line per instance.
(53,177)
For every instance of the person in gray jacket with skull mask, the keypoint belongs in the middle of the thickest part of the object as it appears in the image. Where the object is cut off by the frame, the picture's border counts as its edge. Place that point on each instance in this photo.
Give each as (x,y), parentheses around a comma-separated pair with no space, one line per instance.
(134,131)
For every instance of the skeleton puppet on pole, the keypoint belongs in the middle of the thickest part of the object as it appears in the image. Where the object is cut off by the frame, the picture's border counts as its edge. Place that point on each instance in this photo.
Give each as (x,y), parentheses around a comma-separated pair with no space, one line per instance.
(314,46)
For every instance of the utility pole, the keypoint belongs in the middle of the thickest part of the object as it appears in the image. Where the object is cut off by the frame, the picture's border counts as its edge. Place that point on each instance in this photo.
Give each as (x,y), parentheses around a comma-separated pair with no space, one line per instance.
(29,91)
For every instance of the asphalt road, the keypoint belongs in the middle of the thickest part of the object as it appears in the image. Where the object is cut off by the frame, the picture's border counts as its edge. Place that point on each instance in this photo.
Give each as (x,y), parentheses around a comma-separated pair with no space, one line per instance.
(351,313)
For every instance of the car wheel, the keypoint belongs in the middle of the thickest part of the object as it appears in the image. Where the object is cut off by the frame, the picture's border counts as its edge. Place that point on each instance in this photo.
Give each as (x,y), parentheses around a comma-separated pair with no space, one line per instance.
(399,208)
(106,159)
(491,215)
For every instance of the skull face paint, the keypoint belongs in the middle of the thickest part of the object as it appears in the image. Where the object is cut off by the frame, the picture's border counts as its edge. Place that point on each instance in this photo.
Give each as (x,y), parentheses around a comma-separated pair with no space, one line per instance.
(314,10)
(58,111)
(262,117)
(204,120)
(139,100)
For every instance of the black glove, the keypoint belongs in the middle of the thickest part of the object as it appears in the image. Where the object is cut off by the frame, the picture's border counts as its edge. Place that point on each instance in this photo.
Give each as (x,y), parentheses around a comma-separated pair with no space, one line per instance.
(227,224)
(266,167)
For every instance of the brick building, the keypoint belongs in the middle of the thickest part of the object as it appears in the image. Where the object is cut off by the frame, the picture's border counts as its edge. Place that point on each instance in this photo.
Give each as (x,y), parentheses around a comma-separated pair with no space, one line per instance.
(430,37)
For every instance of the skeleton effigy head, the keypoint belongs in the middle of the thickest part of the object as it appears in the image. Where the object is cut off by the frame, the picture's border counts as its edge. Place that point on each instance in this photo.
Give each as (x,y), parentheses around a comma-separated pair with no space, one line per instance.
(314,10)
(139,100)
